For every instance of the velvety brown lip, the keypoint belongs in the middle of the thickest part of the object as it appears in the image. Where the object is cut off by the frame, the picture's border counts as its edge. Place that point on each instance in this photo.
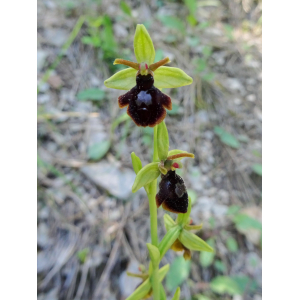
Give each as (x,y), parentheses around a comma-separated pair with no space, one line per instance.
(146,103)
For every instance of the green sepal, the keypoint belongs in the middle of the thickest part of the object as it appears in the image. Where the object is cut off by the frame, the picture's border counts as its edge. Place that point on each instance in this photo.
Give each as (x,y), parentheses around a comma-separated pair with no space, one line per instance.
(169,222)
(146,175)
(168,240)
(193,242)
(168,77)
(162,293)
(143,46)
(183,219)
(177,294)
(162,141)
(141,291)
(136,162)
(176,151)
(122,80)
(154,255)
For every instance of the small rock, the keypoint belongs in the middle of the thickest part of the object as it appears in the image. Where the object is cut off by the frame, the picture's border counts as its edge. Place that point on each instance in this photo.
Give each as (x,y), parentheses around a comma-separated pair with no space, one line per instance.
(41,58)
(120,31)
(56,36)
(43,98)
(251,98)
(43,239)
(235,85)
(116,181)
(55,81)
(97,132)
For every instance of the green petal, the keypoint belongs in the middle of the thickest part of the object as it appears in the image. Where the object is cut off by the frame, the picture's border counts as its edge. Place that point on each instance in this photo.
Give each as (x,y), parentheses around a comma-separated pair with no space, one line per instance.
(193,242)
(122,80)
(143,46)
(176,151)
(167,77)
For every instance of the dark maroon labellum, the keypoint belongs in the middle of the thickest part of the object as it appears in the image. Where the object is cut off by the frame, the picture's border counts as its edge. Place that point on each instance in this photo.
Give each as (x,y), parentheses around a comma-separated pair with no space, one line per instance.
(172,194)
(146,103)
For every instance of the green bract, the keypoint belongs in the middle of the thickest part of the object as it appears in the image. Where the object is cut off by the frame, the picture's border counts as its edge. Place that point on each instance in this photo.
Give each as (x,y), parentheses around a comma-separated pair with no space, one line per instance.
(145,287)
(146,175)
(177,294)
(164,77)
(187,239)
(162,141)
(136,163)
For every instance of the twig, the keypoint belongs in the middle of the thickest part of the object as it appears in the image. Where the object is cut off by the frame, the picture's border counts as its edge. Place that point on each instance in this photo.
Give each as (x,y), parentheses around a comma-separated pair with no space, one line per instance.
(113,256)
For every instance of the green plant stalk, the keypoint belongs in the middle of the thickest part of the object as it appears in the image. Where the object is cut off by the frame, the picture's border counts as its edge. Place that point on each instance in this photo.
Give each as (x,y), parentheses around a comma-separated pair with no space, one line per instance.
(153,221)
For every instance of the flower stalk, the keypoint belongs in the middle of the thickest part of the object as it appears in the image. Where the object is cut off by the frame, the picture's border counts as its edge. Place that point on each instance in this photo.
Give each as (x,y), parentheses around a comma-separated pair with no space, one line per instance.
(147,105)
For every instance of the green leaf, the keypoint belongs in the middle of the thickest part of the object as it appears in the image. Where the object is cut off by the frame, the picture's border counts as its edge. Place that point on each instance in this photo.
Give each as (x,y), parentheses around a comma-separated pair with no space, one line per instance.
(177,294)
(168,77)
(225,285)
(233,210)
(179,272)
(173,22)
(154,254)
(176,109)
(122,118)
(220,266)
(125,8)
(91,94)
(257,168)
(98,150)
(168,240)
(136,162)
(191,5)
(162,141)
(176,151)
(226,137)
(193,242)
(122,80)
(207,258)
(141,291)
(192,20)
(146,175)
(169,222)
(245,283)
(82,254)
(244,222)
(231,244)
(143,46)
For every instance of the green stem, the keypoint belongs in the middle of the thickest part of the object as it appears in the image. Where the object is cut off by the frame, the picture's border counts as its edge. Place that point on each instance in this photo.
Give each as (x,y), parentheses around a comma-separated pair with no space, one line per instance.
(153,221)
